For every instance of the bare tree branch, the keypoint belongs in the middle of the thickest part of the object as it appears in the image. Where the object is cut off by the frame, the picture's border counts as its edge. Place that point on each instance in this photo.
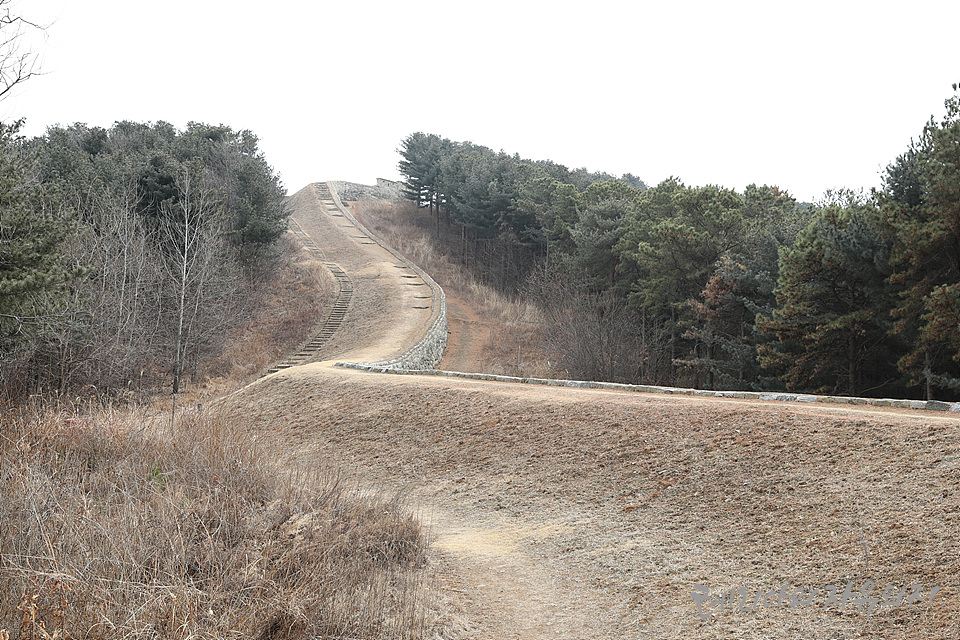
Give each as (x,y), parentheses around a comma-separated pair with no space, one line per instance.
(16,64)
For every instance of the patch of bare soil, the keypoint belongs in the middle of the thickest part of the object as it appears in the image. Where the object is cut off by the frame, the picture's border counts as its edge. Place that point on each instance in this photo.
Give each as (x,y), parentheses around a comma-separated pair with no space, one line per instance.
(575,513)
(468,335)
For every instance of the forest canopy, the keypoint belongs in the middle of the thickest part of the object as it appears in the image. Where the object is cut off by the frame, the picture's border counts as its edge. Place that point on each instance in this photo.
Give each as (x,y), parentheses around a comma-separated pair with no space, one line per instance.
(857,294)
(125,252)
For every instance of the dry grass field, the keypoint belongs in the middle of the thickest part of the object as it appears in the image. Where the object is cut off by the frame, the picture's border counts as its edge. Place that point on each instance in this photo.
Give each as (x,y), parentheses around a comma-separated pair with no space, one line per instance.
(134,524)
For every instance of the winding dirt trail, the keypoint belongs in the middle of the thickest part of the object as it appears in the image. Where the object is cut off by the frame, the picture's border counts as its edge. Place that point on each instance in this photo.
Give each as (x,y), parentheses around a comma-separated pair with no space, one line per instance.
(389,306)
(577,513)
(497,590)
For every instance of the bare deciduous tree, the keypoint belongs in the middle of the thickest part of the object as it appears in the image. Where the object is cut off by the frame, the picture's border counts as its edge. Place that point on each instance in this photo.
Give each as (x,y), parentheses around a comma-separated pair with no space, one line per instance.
(597,337)
(17,64)
(123,291)
(200,281)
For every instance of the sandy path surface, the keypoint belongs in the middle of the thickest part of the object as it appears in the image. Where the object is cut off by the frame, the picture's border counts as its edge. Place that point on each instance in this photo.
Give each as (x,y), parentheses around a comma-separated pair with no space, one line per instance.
(469,329)
(467,334)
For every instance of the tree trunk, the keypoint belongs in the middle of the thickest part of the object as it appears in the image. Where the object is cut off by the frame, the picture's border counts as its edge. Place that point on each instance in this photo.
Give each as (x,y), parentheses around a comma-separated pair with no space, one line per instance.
(198,273)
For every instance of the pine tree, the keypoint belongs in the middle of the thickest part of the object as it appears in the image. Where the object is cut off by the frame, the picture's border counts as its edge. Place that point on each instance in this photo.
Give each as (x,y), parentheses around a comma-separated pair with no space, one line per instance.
(554,206)
(833,318)
(423,155)
(671,244)
(30,239)
(741,289)
(921,203)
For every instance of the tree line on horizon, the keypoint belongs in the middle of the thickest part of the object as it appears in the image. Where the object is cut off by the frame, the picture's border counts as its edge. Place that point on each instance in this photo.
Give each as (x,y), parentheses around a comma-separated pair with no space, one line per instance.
(857,294)
(127,254)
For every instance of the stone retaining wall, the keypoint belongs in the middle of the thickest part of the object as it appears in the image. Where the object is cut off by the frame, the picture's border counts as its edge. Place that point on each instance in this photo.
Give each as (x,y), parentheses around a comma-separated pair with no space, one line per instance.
(424,355)
(383,190)
(929,405)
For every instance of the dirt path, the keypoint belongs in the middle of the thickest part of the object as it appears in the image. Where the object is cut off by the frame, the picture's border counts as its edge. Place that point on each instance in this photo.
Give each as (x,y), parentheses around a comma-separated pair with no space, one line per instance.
(575,513)
(498,589)
(467,335)
(503,591)
(387,310)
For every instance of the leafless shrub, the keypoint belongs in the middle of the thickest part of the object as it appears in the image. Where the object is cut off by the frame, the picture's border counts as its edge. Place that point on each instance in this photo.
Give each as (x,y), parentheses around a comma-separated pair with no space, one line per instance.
(108,335)
(594,337)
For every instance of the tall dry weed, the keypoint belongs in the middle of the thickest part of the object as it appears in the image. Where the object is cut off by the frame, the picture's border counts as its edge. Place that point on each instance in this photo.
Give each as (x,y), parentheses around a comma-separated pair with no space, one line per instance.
(117,523)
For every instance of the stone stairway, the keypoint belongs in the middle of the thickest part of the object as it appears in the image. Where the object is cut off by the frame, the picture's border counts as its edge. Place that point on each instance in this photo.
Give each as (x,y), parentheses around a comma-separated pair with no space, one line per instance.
(333,321)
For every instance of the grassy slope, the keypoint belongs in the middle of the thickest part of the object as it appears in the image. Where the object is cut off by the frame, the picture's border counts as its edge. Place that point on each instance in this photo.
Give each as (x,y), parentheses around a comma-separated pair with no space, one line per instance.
(650,495)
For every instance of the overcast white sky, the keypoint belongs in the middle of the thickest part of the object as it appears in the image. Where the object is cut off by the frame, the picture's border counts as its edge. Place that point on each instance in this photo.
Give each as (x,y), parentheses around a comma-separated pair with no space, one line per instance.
(805,95)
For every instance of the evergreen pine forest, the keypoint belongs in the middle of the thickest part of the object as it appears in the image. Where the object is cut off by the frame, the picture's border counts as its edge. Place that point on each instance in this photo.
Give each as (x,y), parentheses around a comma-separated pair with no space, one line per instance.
(857,294)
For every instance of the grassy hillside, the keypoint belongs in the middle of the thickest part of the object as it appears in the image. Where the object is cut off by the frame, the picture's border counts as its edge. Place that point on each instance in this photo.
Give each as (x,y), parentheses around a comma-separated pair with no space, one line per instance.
(647,496)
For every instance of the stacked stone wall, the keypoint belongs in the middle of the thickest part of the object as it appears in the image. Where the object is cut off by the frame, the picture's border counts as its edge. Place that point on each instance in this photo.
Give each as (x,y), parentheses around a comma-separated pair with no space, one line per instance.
(383,190)
(931,405)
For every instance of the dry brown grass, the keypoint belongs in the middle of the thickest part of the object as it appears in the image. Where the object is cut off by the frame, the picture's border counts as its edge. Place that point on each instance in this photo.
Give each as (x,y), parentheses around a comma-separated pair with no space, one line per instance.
(287,312)
(644,496)
(118,523)
(519,349)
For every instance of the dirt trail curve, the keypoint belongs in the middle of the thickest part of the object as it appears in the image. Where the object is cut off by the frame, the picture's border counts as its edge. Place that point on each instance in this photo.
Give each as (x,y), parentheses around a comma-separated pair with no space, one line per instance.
(389,305)
(468,332)
(578,513)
